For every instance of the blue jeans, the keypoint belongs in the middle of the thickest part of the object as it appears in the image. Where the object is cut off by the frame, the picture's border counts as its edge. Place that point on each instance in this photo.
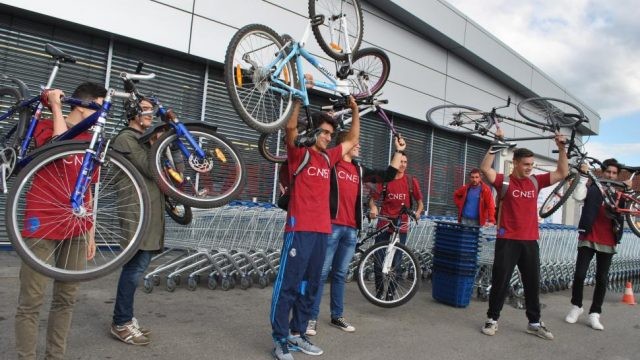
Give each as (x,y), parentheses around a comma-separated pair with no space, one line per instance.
(340,249)
(129,277)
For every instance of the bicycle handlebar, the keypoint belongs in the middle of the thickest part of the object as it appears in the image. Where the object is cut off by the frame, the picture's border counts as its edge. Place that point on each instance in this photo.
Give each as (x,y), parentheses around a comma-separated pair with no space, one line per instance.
(137,77)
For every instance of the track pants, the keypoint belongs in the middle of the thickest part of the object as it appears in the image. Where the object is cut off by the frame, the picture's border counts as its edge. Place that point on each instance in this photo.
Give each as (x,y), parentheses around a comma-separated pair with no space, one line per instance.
(297,282)
(526,255)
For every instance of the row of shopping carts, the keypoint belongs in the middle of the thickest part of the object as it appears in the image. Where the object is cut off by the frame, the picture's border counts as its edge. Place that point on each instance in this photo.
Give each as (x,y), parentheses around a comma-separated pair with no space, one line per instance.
(239,244)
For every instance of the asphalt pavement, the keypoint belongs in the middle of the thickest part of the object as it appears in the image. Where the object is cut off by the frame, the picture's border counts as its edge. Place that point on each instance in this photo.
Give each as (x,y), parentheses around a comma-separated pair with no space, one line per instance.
(234,324)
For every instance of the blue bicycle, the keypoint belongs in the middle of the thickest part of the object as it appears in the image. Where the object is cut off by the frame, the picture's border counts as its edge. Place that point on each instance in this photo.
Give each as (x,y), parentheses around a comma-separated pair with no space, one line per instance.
(264,71)
(70,192)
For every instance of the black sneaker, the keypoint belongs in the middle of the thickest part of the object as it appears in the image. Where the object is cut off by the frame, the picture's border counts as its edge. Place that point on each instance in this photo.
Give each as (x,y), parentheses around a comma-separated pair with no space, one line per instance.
(342,324)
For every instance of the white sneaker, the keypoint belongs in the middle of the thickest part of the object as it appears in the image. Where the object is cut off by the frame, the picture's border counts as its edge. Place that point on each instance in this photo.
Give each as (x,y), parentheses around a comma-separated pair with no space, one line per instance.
(594,321)
(573,315)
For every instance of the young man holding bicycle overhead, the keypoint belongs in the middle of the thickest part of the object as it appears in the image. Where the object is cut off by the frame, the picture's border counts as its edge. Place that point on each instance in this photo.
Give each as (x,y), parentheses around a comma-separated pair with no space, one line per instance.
(307,230)
(599,233)
(347,177)
(125,326)
(403,190)
(517,236)
(49,231)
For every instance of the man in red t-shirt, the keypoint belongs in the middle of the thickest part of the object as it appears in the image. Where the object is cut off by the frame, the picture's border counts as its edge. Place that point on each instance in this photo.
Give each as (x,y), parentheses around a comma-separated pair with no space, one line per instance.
(598,235)
(396,194)
(347,177)
(306,231)
(517,237)
(50,228)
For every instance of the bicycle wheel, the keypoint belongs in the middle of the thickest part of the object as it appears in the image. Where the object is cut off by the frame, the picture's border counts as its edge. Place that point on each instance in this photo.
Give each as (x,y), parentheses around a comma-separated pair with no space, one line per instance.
(272,148)
(38,210)
(371,68)
(392,289)
(559,195)
(206,182)
(633,215)
(248,66)
(179,213)
(549,111)
(459,119)
(330,34)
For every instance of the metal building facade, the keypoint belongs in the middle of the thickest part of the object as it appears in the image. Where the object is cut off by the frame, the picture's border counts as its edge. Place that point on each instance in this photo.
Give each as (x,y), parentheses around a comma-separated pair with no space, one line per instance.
(437,56)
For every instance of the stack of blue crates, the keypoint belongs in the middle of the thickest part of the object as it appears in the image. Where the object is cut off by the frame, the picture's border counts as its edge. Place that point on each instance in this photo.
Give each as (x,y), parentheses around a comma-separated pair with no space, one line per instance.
(455,262)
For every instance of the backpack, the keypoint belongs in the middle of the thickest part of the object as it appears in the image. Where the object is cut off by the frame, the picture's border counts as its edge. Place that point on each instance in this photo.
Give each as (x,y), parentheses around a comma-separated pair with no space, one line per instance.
(409,181)
(283,178)
(503,192)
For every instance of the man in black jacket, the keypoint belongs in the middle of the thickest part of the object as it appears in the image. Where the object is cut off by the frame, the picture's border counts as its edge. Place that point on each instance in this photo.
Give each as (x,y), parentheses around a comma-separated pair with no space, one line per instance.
(345,204)
(600,231)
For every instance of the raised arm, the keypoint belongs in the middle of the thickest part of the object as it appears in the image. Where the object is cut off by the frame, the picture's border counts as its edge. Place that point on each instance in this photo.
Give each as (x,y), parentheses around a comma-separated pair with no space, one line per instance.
(400,145)
(55,104)
(291,130)
(562,168)
(353,137)
(486,166)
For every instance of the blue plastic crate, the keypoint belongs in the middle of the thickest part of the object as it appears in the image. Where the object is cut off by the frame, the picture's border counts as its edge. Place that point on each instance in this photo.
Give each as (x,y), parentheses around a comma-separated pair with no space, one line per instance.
(455,256)
(455,269)
(451,289)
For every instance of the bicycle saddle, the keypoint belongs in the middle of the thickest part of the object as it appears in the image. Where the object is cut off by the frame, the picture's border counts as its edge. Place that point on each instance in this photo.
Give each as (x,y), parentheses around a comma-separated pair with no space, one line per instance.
(59,54)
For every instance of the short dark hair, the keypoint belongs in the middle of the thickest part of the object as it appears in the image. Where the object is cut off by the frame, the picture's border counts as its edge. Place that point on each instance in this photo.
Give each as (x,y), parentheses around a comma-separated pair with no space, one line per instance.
(322,117)
(611,162)
(89,91)
(474,171)
(522,153)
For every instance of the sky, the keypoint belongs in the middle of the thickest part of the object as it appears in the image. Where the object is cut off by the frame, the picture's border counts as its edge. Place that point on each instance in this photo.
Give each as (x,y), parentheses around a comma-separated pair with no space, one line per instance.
(591,48)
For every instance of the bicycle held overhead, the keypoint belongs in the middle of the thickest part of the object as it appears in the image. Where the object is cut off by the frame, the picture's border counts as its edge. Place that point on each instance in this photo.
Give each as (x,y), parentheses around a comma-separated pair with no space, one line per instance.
(618,196)
(540,113)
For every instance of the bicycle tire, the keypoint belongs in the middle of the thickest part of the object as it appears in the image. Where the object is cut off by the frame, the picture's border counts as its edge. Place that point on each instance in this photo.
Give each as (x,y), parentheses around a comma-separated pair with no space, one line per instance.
(372,66)
(249,84)
(559,196)
(322,32)
(10,97)
(203,183)
(548,111)
(268,147)
(179,213)
(459,119)
(633,216)
(400,293)
(115,243)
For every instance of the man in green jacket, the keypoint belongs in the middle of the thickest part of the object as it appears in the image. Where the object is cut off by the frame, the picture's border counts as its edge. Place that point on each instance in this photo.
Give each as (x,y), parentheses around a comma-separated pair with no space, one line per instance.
(125,326)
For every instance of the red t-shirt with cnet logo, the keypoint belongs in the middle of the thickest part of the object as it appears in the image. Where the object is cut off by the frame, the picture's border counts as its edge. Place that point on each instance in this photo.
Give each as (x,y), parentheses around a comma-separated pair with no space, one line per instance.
(348,186)
(309,204)
(519,220)
(397,194)
(48,212)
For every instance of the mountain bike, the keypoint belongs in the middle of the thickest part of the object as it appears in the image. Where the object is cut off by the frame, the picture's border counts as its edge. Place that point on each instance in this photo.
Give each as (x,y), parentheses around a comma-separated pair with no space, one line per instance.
(264,72)
(190,161)
(388,272)
(618,197)
(104,191)
(543,113)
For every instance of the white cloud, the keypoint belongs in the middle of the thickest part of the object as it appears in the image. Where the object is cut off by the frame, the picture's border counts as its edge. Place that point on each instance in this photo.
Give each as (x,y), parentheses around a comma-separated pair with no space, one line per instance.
(624,153)
(589,47)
